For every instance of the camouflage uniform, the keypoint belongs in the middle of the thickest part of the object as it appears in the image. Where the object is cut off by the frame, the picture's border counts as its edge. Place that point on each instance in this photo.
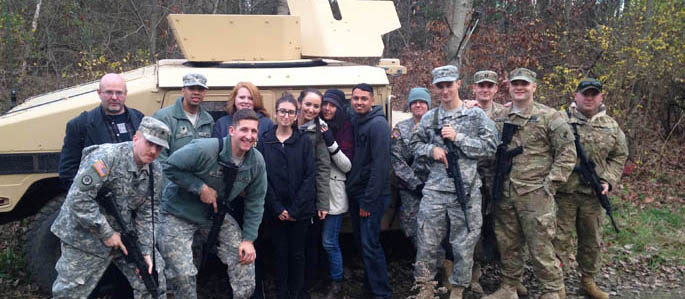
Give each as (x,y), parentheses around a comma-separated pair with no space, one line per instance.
(82,226)
(527,210)
(476,138)
(578,206)
(183,214)
(411,174)
(182,130)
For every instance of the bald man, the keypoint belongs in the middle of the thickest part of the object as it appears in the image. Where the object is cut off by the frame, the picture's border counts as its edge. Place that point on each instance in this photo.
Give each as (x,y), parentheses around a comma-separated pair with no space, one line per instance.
(110,122)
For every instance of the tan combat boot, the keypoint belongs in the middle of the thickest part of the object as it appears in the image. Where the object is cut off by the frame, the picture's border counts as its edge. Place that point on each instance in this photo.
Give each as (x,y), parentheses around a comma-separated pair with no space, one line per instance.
(505,291)
(552,295)
(562,293)
(475,279)
(426,290)
(447,268)
(521,290)
(456,292)
(587,285)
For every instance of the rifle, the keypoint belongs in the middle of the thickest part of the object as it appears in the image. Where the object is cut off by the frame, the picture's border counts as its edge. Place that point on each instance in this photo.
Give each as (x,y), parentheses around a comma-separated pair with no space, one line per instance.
(454,172)
(589,176)
(503,160)
(230,173)
(130,239)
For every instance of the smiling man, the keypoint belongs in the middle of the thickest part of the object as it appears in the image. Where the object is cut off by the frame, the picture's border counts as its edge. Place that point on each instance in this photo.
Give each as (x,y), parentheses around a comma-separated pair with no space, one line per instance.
(368,185)
(110,122)
(196,174)
(91,240)
(578,208)
(187,119)
(526,212)
(470,135)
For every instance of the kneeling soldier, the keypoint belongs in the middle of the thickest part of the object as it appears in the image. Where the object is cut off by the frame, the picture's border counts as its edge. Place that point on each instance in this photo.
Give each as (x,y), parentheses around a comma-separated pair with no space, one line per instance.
(92,238)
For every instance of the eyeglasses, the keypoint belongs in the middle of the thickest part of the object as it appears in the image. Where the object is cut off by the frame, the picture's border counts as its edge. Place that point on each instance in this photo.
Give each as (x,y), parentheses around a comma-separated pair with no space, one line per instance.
(284,112)
(590,83)
(110,93)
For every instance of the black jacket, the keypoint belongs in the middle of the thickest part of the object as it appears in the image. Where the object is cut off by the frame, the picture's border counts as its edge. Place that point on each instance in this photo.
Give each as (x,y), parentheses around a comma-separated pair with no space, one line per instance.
(290,173)
(370,174)
(89,128)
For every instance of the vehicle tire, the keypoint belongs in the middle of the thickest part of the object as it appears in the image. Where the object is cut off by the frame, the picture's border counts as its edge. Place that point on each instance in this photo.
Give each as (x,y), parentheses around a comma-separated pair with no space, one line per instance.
(42,248)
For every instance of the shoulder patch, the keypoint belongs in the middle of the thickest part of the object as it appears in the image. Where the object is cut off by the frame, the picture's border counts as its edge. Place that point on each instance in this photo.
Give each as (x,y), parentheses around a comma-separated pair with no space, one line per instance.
(101,168)
(396,133)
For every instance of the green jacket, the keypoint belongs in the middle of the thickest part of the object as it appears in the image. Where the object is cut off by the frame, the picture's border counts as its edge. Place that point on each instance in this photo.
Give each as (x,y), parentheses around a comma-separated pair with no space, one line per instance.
(604,143)
(196,164)
(182,130)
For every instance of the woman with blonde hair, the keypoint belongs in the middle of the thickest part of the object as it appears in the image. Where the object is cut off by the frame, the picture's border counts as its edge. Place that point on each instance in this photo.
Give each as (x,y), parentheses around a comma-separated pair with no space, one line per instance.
(245,95)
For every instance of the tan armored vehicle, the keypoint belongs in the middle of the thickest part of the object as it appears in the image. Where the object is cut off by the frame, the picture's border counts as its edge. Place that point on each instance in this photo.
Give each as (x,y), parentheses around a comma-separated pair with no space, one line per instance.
(276,53)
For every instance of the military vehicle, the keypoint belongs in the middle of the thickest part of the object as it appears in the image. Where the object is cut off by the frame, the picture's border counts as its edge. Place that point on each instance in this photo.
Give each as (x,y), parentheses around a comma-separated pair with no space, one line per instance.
(275,52)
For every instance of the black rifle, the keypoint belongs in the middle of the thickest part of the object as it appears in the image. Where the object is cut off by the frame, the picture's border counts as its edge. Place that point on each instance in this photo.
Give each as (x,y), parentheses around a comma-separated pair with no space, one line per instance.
(589,176)
(130,239)
(223,205)
(503,160)
(454,172)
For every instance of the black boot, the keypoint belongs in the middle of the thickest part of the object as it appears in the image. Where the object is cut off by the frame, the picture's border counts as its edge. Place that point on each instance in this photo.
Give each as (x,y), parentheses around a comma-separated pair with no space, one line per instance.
(335,290)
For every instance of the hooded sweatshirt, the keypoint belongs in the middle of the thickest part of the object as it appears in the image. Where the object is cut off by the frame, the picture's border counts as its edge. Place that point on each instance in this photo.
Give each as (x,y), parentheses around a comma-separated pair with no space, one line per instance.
(370,174)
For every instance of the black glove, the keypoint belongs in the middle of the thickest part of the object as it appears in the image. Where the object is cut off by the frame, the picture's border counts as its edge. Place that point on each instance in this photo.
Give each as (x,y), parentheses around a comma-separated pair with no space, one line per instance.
(328,137)
(419,189)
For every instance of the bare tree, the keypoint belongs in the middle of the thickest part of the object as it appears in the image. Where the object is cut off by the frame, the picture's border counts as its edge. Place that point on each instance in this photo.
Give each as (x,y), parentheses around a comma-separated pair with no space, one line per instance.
(457,14)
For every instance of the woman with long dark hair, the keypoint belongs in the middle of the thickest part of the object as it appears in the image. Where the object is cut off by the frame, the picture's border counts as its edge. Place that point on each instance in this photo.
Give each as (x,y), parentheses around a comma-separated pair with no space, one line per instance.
(340,141)
(290,195)
(310,124)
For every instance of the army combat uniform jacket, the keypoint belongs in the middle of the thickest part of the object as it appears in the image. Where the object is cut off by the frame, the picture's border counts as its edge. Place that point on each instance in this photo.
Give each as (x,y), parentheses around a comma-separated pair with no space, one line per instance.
(182,130)
(604,143)
(81,222)
(548,153)
(410,172)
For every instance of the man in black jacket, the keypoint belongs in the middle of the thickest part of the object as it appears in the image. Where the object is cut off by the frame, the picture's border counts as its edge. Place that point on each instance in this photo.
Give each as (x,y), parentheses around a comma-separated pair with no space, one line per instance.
(368,185)
(110,122)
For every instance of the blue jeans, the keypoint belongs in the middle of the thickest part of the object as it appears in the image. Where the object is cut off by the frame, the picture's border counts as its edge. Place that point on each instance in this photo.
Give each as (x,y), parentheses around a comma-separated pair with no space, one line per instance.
(331,231)
(367,235)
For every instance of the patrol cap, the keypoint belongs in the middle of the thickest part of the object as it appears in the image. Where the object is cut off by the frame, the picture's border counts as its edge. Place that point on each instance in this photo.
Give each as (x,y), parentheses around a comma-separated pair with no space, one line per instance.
(522,74)
(485,76)
(155,131)
(194,79)
(589,83)
(419,94)
(445,73)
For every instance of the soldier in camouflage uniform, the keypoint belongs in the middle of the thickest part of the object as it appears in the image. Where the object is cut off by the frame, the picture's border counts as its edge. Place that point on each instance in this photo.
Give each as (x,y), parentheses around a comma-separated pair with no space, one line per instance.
(474,134)
(196,178)
(187,119)
(526,213)
(410,173)
(578,206)
(91,239)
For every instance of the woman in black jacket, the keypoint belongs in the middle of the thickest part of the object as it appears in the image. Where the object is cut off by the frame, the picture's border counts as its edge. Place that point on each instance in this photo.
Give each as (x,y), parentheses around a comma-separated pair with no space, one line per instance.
(290,195)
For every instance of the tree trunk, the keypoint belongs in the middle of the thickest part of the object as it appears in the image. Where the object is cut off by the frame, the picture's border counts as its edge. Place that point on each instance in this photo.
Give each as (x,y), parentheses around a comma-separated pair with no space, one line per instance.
(155,18)
(457,13)
(27,45)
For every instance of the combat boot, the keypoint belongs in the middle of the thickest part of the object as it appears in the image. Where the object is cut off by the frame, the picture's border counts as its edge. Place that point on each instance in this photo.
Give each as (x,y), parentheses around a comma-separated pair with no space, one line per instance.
(552,295)
(334,291)
(587,285)
(475,279)
(447,268)
(562,293)
(521,290)
(456,292)
(505,291)
(426,290)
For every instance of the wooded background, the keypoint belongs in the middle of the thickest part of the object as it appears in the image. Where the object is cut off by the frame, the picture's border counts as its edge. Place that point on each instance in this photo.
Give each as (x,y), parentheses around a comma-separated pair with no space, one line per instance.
(635,47)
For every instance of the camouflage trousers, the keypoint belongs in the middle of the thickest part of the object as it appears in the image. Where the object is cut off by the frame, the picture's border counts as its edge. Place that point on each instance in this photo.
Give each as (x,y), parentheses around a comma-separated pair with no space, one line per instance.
(78,272)
(176,239)
(436,210)
(583,213)
(408,213)
(528,219)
